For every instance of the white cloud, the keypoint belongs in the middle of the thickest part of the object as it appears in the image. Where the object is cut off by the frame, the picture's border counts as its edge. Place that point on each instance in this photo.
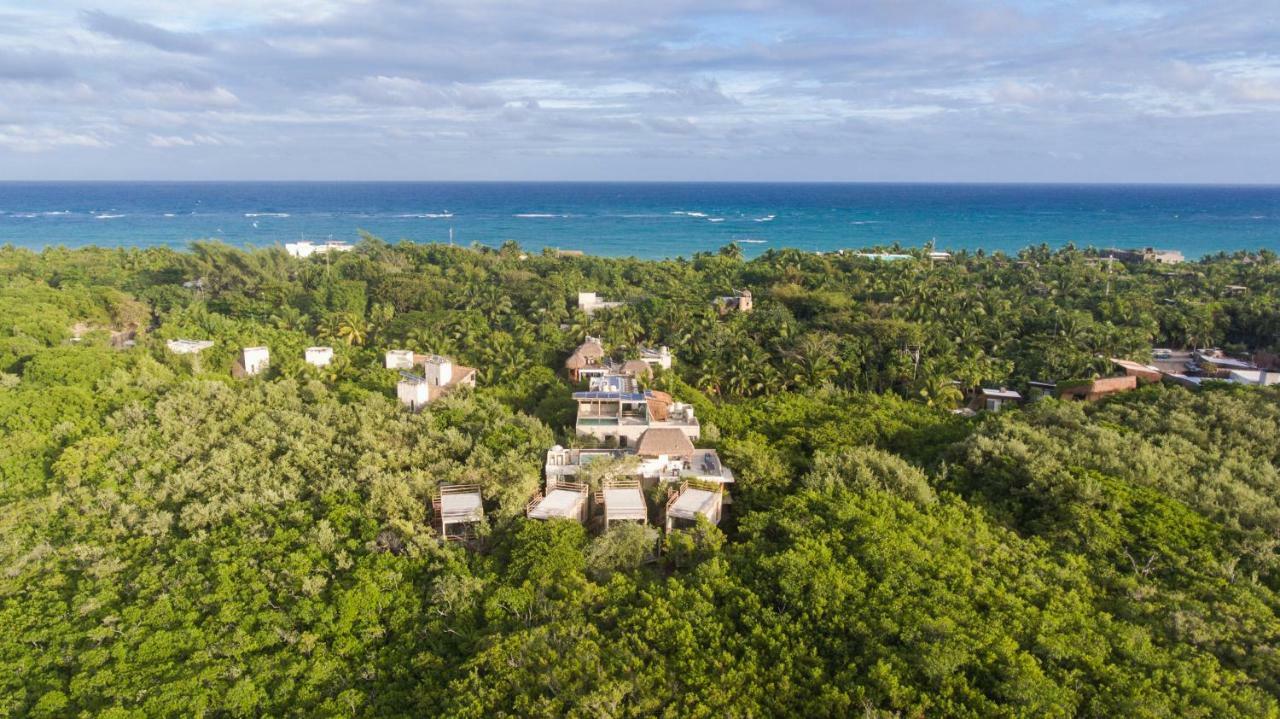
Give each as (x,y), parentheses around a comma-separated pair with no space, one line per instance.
(39,139)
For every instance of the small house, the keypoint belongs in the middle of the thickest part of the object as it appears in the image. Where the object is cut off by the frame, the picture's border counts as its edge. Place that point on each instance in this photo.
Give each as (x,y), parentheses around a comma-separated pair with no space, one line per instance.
(686,504)
(459,510)
(622,500)
(318,356)
(994,400)
(563,500)
(739,302)
(399,359)
(252,361)
(587,361)
(1039,389)
(439,377)
(413,391)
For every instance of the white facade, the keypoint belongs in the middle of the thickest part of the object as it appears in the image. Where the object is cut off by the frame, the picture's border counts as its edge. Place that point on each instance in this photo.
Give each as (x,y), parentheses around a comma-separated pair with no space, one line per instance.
(255,359)
(307,249)
(660,357)
(437,370)
(413,393)
(399,359)
(319,356)
(588,302)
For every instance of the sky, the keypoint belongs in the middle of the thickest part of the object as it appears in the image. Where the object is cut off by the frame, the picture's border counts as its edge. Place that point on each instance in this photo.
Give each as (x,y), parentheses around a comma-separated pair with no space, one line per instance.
(753,90)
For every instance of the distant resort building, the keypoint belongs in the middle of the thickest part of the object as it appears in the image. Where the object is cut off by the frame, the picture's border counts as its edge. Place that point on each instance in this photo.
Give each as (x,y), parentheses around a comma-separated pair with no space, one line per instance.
(252,361)
(1147,255)
(306,249)
(318,356)
(589,303)
(738,302)
(439,377)
(187,347)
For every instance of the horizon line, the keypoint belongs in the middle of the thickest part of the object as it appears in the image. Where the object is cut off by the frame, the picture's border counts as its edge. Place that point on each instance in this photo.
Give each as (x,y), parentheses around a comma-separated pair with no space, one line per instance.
(975,183)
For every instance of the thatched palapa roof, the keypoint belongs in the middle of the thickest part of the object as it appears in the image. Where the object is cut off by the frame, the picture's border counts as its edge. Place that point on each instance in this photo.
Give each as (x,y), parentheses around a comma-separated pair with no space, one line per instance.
(669,441)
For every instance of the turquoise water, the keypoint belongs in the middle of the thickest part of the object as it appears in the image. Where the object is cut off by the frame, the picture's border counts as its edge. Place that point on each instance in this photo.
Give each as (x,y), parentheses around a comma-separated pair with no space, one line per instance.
(646,219)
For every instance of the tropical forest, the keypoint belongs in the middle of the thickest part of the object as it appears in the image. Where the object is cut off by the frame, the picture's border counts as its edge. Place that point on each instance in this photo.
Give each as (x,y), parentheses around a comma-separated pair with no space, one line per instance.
(178,539)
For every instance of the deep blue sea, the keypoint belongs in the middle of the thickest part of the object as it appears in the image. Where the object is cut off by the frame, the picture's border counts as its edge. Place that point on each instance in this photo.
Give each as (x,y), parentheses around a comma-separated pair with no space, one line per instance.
(644,219)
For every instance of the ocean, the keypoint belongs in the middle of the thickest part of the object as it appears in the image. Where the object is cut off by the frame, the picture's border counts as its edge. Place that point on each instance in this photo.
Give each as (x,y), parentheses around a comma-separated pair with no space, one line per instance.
(644,219)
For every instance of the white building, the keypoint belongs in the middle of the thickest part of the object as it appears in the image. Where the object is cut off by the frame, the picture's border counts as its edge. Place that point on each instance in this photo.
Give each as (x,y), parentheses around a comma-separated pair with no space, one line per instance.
(588,302)
(666,454)
(399,359)
(660,357)
(187,347)
(562,462)
(318,356)
(439,377)
(437,370)
(307,249)
(413,391)
(253,360)
(662,454)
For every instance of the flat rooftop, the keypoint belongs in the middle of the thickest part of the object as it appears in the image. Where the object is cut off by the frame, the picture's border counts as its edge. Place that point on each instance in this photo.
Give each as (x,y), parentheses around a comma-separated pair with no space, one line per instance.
(461,506)
(625,503)
(559,503)
(693,502)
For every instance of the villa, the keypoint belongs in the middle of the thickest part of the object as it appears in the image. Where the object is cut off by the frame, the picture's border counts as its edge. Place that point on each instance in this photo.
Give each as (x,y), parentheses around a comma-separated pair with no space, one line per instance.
(622,415)
(439,377)
(1148,254)
(663,454)
(318,356)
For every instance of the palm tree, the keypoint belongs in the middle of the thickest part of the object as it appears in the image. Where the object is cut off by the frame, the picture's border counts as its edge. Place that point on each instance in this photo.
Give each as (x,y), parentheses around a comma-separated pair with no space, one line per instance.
(353,329)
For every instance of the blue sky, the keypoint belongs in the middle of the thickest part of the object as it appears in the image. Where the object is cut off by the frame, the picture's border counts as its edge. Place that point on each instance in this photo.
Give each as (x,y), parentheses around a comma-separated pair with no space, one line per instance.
(864,90)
